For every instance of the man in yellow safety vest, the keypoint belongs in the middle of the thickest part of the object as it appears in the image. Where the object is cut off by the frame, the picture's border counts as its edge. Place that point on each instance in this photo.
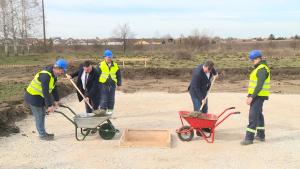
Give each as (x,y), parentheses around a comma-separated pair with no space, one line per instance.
(258,92)
(38,95)
(109,79)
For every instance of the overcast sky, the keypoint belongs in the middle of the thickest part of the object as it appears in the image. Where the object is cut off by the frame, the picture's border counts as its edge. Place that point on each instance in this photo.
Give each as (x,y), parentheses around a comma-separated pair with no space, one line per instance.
(154,18)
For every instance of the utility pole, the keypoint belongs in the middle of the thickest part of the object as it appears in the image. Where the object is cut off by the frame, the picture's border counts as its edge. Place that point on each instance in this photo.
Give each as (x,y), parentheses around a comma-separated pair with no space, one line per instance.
(44,27)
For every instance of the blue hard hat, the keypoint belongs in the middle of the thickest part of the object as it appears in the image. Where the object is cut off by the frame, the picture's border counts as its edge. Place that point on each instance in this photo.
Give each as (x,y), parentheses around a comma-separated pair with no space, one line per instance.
(61,63)
(254,54)
(108,53)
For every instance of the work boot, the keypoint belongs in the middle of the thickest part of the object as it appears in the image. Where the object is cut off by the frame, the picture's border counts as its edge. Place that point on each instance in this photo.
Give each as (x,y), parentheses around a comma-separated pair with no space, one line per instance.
(262,139)
(208,130)
(109,112)
(47,137)
(246,142)
(198,133)
(50,135)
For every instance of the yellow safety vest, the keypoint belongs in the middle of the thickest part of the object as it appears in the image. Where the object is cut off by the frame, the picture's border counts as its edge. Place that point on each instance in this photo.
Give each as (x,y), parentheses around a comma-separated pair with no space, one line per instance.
(35,86)
(106,72)
(265,91)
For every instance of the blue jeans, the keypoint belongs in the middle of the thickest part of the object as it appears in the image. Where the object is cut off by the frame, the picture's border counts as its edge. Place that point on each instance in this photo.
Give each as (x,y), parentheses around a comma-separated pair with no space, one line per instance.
(197,105)
(39,115)
(197,102)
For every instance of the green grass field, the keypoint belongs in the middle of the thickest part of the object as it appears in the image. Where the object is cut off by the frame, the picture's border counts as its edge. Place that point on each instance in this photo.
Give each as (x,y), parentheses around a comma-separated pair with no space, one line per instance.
(237,60)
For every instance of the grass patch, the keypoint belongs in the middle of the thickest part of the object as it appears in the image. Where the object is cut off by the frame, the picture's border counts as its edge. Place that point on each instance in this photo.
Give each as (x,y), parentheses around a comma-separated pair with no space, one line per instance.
(12,91)
(158,60)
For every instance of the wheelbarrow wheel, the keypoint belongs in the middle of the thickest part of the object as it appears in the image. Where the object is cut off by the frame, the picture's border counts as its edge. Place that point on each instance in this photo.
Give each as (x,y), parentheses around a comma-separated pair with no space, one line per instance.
(107,131)
(185,133)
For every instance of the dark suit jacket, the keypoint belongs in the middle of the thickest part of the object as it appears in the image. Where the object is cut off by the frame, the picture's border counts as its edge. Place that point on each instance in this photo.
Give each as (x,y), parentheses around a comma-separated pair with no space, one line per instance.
(92,84)
(200,83)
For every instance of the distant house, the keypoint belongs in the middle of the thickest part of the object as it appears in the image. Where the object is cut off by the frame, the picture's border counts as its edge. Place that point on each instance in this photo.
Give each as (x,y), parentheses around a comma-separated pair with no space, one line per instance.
(148,42)
(32,41)
(70,42)
(57,41)
(142,42)
(112,42)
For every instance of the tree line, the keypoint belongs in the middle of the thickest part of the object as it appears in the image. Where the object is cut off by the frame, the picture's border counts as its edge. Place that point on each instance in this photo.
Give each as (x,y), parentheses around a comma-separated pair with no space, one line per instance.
(20,20)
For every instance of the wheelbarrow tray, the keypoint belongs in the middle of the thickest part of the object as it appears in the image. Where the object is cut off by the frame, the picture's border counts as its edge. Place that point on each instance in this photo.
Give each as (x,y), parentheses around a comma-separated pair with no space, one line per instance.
(203,121)
(89,120)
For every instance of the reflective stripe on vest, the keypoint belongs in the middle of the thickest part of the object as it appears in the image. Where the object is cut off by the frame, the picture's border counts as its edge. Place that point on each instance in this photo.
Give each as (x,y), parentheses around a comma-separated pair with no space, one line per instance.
(106,72)
(265,91)
(35,86)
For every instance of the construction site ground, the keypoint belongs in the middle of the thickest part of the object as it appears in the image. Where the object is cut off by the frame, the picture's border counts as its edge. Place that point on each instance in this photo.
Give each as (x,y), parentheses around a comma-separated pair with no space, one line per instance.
(159,110)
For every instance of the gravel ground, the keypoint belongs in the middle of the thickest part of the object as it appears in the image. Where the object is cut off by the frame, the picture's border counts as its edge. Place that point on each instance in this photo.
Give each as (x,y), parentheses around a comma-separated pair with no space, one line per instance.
(157,110)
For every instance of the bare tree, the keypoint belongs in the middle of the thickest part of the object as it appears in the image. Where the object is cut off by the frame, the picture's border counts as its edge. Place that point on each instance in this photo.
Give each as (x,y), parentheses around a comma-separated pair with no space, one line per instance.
(4,24)
(123,32)
(197,40)
(293,44)
(18,20)
(29,19)
(14,24)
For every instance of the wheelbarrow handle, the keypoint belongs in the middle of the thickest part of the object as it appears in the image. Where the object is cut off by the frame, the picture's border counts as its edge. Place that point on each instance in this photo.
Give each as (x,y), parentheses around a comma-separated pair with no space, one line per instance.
(236,112)
(64,106)
(230,108)
(59,112)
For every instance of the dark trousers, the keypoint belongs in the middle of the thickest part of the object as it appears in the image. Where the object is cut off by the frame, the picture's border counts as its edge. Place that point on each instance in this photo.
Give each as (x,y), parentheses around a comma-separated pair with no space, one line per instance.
(197,102)
(256,119)
(107,96)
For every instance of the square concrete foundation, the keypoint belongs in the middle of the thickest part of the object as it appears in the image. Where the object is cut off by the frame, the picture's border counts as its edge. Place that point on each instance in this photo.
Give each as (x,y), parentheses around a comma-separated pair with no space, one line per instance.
(146,138)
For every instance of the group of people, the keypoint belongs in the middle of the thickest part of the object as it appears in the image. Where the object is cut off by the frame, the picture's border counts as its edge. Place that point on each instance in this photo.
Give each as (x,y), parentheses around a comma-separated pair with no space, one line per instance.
(258,92)
(99,85)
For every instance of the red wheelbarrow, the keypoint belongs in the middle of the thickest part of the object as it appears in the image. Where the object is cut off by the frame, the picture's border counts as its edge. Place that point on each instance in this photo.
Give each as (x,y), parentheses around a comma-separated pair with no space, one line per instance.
(204,121)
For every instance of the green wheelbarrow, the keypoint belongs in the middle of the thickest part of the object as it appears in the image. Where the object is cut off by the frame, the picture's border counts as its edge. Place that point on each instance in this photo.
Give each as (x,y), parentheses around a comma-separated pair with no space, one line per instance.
(87,123)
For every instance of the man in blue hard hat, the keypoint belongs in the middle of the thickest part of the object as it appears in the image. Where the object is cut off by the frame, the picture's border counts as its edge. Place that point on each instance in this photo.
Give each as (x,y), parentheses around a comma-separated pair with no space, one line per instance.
(258,92)
(109,80)
(38,95)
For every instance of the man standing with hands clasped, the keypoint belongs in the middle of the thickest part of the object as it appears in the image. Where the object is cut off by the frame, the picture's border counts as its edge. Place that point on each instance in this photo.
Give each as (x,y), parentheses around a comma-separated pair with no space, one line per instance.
(258,92)
(109,80)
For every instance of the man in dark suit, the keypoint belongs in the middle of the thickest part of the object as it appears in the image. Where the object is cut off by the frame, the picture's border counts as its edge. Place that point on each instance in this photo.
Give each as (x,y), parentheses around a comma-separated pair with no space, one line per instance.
(200,84)
(87,82)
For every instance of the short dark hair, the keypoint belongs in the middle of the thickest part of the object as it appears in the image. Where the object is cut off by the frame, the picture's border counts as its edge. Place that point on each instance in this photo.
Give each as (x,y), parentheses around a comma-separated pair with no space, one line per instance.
(87,63)
(209,64)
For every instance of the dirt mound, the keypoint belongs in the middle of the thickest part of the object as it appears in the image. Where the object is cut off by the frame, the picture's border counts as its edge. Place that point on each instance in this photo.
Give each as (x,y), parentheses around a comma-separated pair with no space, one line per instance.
(14,110)
(226,73)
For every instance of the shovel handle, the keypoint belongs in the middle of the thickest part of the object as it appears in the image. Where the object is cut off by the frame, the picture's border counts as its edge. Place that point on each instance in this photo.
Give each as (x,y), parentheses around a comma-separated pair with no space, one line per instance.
(81,93)
(212,83)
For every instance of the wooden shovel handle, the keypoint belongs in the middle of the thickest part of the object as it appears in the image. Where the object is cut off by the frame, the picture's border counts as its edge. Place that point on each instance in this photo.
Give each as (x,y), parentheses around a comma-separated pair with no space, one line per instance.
(81,93)
(212,83)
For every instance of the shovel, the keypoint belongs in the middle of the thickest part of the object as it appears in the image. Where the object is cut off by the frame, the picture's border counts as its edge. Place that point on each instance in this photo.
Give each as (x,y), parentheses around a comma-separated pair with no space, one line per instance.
(212,83)
(198,114)
(97,112)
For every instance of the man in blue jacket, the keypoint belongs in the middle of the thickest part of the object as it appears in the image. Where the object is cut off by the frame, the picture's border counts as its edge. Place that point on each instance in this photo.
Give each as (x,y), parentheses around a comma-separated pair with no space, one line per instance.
(200,84)
(87,82)
(38,95)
